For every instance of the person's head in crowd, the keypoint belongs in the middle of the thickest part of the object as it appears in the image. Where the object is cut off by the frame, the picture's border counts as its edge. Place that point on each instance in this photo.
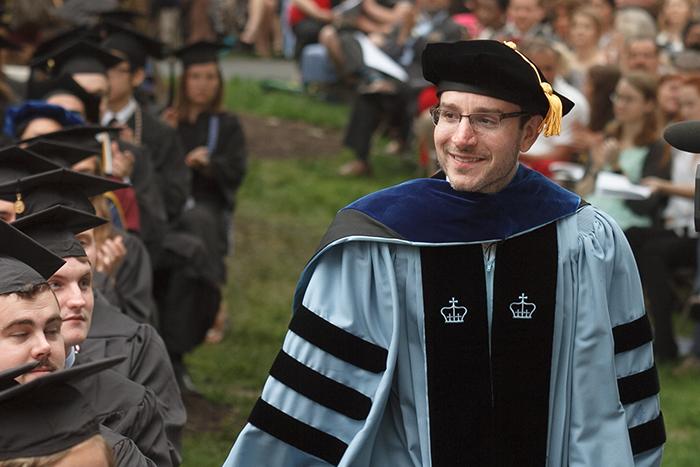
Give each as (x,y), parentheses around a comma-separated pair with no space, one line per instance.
(30,331)
(65,92)
(85,62)
(674,15)
(559,16)
(525,14)
(16,163)
(586,30)
(650,6)
(201,88)
(491,13)
(634,107)
(686,61)
(544,54)
(492,106)
(689,98)
(33,118)
(668,97)
(30,320)
(634,22)
(58,208)
(133,49)
(640,53)
(605,12)
(691,35)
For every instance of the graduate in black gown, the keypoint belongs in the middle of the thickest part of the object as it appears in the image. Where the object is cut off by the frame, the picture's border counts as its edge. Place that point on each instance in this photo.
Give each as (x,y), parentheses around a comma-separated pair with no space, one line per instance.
(122,405)
(215,150)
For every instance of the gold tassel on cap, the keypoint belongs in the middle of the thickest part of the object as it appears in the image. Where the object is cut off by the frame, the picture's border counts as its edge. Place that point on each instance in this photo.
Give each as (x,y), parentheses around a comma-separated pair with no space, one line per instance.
(552,121)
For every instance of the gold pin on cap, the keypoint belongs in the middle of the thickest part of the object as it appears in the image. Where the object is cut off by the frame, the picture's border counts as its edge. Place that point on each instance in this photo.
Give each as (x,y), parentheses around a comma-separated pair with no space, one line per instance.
(19,204)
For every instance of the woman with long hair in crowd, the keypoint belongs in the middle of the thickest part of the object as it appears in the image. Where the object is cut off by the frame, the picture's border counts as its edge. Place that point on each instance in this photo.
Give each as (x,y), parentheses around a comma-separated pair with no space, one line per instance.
(632,147)
(584,36)
(215,153)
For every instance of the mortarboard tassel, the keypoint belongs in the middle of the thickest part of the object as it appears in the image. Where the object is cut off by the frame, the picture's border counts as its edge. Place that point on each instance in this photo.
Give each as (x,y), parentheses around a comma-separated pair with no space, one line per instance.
(552,121)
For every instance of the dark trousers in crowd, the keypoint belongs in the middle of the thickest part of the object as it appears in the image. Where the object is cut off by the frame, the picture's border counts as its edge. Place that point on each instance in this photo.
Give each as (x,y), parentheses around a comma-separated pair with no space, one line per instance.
(659,254)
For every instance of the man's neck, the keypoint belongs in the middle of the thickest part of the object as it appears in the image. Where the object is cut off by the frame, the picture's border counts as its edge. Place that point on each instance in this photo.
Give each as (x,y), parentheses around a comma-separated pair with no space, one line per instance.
(117,105)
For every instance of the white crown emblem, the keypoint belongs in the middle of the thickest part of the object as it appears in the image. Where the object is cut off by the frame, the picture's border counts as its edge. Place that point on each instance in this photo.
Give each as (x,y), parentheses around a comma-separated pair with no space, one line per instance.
(522,309)
(453,314)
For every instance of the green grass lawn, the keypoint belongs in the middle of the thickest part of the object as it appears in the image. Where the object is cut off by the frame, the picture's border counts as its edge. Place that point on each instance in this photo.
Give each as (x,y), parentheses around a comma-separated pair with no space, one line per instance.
(284,208)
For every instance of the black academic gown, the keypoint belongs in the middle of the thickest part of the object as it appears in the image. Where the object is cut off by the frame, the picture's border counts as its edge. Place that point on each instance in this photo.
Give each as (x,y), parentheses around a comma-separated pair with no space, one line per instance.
(131,410)
(112,333)
(154,218)
(131,288)
(124,450)
(170,173)
(214,187)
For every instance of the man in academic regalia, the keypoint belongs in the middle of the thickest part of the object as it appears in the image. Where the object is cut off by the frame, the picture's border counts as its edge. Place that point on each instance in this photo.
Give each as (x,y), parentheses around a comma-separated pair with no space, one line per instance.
(483,317)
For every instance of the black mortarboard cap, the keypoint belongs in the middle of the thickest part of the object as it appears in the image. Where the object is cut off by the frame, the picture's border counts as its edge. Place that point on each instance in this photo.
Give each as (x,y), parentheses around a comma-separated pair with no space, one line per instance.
(49,414)
(65,84)
(23,262)
(62,37)
(200,52)
(132,44)
(497,70)
(76,57)
(84,136)
(16,163)
(62,154)
(60,186)
(55,229)
(120,15)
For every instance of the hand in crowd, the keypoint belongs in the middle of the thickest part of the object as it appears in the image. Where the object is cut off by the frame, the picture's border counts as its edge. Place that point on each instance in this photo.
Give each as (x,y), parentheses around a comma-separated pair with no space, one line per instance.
(604,153)
(110,255)
(198,158)
(655,183)
(127,134)
(583,139)
(170,116)
(122,161)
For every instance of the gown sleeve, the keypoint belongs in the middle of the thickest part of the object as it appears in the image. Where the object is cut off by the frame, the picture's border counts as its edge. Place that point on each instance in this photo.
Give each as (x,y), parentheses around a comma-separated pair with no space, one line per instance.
(329,384)
(615,412)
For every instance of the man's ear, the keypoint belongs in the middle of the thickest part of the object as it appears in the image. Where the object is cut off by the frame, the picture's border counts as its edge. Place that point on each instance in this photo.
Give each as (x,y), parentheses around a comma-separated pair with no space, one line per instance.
(530,132)
(137,78)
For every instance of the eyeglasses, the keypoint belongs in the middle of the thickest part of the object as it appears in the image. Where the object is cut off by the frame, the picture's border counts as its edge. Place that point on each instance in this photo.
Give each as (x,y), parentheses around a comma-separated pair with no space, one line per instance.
(622,98)
(479,121)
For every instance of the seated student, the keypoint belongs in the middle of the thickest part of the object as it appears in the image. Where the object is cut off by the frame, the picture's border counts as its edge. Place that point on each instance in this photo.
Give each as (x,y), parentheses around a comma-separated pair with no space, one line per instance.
(381,98)
(87,64)
(125,406)
(632,147)
(662,250)
(33,119)
(124,269)
(111,333)
(28,308)
(140,126)
(216,153)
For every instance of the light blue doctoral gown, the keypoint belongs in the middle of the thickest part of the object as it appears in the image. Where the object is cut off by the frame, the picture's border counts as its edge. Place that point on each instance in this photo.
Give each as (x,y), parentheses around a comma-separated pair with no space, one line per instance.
(371,288)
